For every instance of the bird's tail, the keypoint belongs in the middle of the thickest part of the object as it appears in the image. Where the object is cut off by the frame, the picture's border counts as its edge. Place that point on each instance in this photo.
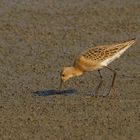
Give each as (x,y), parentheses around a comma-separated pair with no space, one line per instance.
(130,42)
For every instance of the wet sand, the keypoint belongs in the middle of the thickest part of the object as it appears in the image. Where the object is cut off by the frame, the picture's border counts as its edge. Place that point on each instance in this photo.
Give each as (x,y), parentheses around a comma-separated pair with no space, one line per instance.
(37,39)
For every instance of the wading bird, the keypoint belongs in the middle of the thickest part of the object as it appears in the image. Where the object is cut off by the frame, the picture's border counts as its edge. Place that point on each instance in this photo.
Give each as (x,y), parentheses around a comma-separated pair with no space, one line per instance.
(96,58)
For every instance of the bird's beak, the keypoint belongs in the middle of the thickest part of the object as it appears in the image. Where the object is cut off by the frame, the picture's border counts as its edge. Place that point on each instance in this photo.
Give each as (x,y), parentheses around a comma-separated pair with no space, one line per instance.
(61,83)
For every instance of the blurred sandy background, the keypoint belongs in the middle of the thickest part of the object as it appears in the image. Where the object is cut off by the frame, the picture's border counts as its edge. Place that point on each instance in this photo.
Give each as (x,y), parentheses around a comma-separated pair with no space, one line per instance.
(37,39)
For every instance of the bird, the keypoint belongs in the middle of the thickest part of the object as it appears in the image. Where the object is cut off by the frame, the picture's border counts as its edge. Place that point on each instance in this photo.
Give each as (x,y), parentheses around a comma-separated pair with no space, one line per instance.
(96,58)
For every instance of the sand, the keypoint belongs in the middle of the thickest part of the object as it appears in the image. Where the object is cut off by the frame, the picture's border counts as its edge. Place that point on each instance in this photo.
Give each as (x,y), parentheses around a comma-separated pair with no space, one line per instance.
(37,39)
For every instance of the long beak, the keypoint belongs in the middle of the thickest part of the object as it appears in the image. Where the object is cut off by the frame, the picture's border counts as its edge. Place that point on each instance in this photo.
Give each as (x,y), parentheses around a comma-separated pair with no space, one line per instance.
(61,84)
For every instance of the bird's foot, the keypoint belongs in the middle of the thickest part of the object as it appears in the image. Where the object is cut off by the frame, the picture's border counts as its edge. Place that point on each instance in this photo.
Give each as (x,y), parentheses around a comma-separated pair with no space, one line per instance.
(97,95)
(112,92)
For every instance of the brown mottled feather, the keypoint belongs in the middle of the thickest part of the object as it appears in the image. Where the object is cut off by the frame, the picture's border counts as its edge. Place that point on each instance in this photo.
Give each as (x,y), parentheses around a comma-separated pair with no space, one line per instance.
(90,58)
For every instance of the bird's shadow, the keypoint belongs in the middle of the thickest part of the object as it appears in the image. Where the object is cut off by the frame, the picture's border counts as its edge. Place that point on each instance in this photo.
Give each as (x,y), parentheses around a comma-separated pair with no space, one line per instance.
(54,92)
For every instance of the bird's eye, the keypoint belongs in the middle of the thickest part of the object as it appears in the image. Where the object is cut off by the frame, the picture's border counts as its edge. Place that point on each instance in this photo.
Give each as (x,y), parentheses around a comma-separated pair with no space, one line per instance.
(63,75)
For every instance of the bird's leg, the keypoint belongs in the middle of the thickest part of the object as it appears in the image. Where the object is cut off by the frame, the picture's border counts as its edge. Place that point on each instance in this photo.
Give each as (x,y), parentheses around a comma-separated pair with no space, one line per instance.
(100,84)
(112,84)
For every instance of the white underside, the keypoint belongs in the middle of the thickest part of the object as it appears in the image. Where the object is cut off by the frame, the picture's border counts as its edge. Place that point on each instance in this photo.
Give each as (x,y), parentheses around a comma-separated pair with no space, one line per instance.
(117,55)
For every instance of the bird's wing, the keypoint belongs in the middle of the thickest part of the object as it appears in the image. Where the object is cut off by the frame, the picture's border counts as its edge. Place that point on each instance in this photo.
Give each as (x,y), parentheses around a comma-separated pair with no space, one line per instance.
(105,51)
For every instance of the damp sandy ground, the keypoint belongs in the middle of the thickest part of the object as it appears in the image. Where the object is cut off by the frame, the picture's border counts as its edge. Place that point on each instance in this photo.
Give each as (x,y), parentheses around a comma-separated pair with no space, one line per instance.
(37,39)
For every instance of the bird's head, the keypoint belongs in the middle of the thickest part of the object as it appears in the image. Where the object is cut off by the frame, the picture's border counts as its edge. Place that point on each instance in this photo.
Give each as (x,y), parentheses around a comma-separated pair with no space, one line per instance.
(67,73)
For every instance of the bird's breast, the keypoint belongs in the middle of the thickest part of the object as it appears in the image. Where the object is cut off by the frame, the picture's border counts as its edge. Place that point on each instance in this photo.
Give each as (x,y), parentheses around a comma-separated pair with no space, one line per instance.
(86,64)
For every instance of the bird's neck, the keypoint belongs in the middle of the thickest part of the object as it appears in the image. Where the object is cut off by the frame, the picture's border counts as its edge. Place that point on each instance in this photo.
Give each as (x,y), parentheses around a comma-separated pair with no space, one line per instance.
(76,71)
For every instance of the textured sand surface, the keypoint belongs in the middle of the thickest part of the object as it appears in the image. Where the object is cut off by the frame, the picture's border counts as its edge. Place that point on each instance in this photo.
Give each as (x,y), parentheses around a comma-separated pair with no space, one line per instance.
(37,39)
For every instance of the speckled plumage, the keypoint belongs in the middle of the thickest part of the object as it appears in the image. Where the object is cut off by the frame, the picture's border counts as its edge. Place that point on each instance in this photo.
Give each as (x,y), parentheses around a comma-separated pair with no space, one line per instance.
(95,58)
